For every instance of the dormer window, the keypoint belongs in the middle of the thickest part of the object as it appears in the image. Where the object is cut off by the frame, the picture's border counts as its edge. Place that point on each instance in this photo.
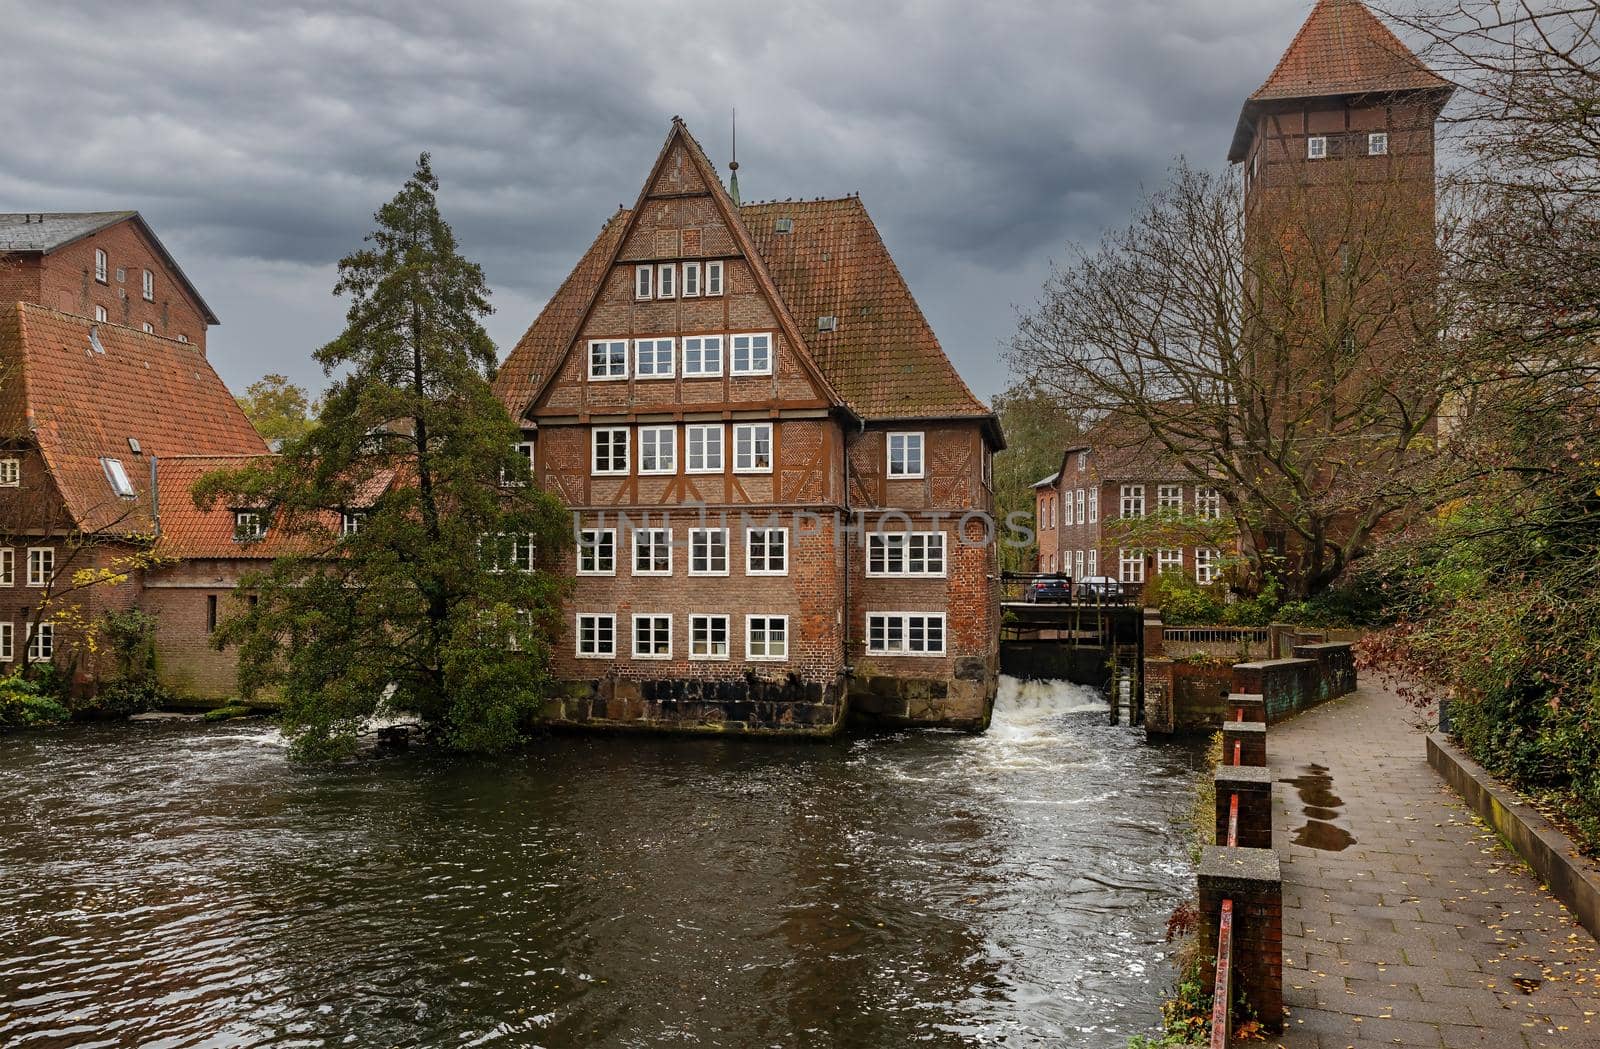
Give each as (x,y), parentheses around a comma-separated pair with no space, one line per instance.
(118,478)
(714,278)
(351,521)
(1317,147)
(134,446)
(783,226)
(248,526)
(644,282)
(149,285)
(101,265)
(149,329)
(1378,144)
(183,339)
(99,314)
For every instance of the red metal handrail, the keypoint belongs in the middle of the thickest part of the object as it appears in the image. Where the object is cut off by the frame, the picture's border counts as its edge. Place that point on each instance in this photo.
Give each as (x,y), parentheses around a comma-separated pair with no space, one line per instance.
(1222,993)
(1233,822)
(1238,757)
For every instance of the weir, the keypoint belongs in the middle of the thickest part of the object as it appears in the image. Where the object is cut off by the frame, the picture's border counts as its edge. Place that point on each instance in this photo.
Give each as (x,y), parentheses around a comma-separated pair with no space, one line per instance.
(1085,641)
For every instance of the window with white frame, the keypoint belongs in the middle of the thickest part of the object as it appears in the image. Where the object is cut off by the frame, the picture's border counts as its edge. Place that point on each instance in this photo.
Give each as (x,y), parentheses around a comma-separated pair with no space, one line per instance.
(41,565)
(703,446)
(658,449)
(905,455)
(1378,143)
(608,359)
(1094,564)
(752,448)
(8,641)
(708,637)
(8,566)
(148,284)
(149,329)
(708,551)
(597,551)
(521,631)
(1206,565)
(1169,561)
(183,339)
(652,551)
(1169,497)
(1094,505)
(248,525)
(597,635)
(1132,566)
(905,633)
(350,521)
(905,554)
(766,551)
(752,354)
(1208,503)
(117,477)
(702,355)
(100,314)
(101,265)
(652,637)
(1067,504)
(10,473)
(666,281)
(652,358)
(1317,147)
(644,281)
(1078,557)
(610,451)
(766,637)
(524,450)
(1133,500)
(41,642)
(713,278)
(506,551)
(691,280)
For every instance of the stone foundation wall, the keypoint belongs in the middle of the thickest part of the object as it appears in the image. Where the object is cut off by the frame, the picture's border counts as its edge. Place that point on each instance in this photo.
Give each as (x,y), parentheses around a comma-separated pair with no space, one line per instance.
(965,701)
(751,706)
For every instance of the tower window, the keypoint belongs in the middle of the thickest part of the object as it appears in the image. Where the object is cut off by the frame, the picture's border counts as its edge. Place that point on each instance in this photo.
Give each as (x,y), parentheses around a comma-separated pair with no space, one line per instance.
(100,265)
(1378,144)
(1317,147)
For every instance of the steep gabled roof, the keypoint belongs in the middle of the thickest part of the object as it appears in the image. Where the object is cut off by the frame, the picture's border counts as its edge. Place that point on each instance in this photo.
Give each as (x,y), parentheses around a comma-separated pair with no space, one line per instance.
(188,531)
(81,405)
(1342,49)
(34,232)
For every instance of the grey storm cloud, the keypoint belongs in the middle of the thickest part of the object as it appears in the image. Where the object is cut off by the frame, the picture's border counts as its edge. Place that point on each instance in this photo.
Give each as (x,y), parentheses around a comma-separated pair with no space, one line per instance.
(259,138)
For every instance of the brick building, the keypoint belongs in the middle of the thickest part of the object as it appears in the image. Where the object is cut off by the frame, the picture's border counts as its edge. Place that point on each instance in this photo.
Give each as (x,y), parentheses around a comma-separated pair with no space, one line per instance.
(771,457)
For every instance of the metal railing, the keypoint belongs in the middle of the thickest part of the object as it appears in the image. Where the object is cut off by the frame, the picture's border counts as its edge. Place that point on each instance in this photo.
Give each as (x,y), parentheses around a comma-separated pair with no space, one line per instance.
(1222,989)
(1014,587)
(1216,640)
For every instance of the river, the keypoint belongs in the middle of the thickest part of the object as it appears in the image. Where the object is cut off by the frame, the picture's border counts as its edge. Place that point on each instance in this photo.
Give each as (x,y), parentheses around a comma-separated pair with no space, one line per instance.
(171,885)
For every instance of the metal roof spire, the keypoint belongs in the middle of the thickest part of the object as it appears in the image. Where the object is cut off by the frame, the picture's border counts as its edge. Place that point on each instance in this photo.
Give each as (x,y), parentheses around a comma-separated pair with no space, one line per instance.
(733,165)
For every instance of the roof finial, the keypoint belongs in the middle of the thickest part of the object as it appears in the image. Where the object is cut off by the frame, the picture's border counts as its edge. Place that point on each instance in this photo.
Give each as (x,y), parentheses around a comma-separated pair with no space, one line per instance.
(733,165)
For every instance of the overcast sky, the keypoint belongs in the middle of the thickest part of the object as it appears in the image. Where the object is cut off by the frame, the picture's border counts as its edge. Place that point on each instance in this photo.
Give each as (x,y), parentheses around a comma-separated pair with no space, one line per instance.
(258,138)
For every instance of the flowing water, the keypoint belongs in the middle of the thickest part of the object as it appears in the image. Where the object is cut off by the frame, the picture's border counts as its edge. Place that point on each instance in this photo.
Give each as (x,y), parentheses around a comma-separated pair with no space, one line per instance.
(185,885)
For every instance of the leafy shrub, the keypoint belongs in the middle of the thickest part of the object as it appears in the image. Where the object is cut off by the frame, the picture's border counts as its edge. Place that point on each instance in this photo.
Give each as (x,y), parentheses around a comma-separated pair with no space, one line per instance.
(1184,602)
(24,705)
(124,698)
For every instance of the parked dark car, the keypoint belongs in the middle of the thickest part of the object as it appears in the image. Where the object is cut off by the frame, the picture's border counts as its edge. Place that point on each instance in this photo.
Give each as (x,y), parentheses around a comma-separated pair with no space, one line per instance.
(1052,588)
(1100,588)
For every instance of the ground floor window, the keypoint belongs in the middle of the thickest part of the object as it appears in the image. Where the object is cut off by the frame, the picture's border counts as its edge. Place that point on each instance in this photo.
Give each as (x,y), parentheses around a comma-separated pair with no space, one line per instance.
(1094,562)
(905,633)
(597,636)
(766,637)
(42,643)
(1078,557)
(652,637)
(1205,566)
(7,642)
(708,637)
(1169,560)
(1132,566)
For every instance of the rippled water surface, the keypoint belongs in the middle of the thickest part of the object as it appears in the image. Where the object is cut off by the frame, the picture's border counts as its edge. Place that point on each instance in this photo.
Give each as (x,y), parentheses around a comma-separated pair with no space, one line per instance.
(184,885)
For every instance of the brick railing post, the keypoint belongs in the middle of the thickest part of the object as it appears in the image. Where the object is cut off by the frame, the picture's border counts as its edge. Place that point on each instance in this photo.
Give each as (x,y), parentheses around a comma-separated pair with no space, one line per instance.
(1253,785)
(1251,740)
(1155,643)
(1252,879)
(1252,704)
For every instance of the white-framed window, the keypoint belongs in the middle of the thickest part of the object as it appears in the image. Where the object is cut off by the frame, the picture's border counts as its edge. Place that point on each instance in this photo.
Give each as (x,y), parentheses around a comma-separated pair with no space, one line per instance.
(1133,500)
(183,339)
(1094,563)
(149,329)
(708,551)
(1067,504)
(752,354)
(1094,505)
(525,450)
(117,477)
(708,637)
(644,281)
(766,638)
(766,551)
(100,314)
(702,354)
(703,448)
(506,551)
(1378,144)
(1078,558)
(608,359)
(41,642)
(1132,566)
(610,446)
(148,284)
(1169,561)
(1317,147)
(652,551)
(752,448)
(905,633)
(597,635)
(8,566)
(248,525)
(905,455)
(101,265)
(1083,460)
(1170,497)
(10,473)
(691,280)
(1206,564)
(41,565)
(666,281)
(8,641)
(652,636)
(714,278)
(1208,503)
(597,551)
(350,521)
(652,358)
(906,554)
(658,449)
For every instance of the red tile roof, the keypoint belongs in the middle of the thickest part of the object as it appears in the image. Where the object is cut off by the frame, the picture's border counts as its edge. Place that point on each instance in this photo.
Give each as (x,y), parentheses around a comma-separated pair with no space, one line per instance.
(188,531)
(82,405)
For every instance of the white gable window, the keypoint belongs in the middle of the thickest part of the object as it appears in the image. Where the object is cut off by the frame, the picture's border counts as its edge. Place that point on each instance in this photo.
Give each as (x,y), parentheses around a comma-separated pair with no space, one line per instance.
(100,314)
(708,637)
(658,449)
(652,551)
(691,280)
(1205,565)
(905,455)
(1169,561)
(10,473)
(704,444)
(41,565)
(644,282)
(713,278)
(597,636)
(708,551)
(906,554)
(41,642)
(610,451)
(118,478)
(702,354)
(1378,144)
(766,551)
(652,358)
(100,265)
(1132,564)
(766,637)
(148,283)
(597,551)
(752,448)
(1133,500)
(905,633)
(1170,497)
(652,637)
(8,566)
(8,635)
(1317,147)
(524,450)
(608,359)
(752,354)
(666,281)
(248,525)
